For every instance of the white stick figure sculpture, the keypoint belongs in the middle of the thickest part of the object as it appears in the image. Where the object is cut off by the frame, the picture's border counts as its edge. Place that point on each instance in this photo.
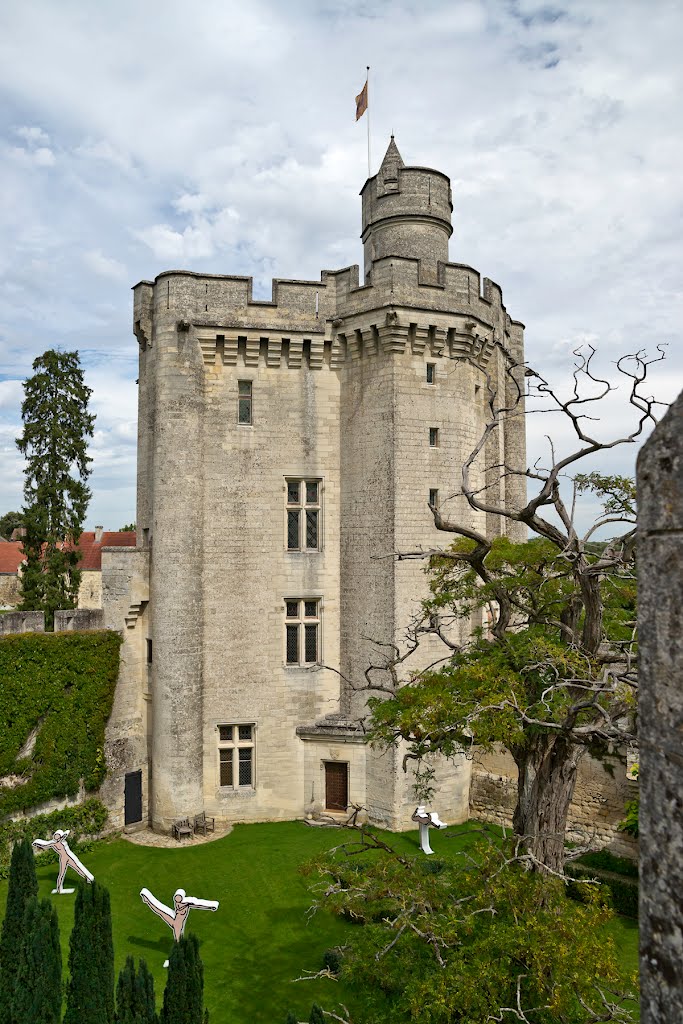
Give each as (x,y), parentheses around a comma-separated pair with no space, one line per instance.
(176,918)
(67,859)
(425,820)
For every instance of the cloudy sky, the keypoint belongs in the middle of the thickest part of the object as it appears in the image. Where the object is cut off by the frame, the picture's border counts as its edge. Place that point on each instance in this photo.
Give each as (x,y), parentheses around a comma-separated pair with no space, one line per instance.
(220,137)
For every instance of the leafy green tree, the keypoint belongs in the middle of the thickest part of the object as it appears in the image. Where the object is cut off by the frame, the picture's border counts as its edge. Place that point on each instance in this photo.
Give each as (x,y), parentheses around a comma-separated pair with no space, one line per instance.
(481,939)
(10,522)
(135,995)
(128,528)
(184,992)
(38,993)
(57,425)
(90,990)
(22,887)
(551,673)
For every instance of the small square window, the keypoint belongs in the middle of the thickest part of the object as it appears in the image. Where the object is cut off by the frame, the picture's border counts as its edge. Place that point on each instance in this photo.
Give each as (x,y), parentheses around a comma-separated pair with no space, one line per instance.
(244,732)
(293,491)
(310,609)
(431,373)
(311,492)
(225,733)
(292,609)
(244,403)
(433,437)
(434,497)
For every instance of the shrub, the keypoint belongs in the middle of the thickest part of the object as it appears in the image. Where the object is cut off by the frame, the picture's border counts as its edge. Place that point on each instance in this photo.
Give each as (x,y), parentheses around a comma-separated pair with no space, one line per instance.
(90,992)
(630,822)
(606,861)
(184,992)
(332,960)
(38,994)
(135,995)
(62,685)
(23,886)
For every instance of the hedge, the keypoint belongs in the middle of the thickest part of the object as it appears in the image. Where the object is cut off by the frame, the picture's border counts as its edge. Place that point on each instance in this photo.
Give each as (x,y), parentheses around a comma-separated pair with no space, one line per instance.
(62,684)
(84,821)
(621,895)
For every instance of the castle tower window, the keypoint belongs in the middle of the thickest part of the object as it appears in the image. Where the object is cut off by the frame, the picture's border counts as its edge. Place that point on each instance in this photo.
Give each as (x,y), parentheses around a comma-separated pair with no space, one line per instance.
(236,756)
(302,631)
(433,497)
(303,515)
(244,402)
(431,373)
(433,437)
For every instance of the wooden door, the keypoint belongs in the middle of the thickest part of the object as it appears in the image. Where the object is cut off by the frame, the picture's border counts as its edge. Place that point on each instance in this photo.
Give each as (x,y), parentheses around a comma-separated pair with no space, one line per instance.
(336,785)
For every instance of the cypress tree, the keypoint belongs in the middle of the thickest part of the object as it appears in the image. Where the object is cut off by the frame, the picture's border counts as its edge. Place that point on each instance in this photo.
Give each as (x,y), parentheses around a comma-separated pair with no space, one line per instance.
(38,993)
(23,886)
(291,1019)
(317,1016)
(184,992)
(56,495)
(135,995)
(90,992)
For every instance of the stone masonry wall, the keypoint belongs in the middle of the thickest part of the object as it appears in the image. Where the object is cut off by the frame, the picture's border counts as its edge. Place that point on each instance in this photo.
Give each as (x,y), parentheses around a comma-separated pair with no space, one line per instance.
(595,811)
(660,705)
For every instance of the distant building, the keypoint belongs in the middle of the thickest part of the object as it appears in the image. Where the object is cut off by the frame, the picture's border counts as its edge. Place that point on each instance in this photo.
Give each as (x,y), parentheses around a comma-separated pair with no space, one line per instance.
(90,564)
(286,450)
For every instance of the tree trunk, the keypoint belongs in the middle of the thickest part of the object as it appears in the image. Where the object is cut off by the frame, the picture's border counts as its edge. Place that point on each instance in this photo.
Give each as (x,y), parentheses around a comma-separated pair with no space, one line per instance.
(547,776)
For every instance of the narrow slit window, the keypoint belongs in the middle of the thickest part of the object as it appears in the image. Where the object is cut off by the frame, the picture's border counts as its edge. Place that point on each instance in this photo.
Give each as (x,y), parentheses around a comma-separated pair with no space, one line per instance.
(244,402)
(431,373)
(434,497)
(433,437)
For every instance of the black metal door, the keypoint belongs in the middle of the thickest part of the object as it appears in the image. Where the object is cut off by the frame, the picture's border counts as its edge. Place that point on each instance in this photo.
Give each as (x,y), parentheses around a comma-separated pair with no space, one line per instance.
(132,798)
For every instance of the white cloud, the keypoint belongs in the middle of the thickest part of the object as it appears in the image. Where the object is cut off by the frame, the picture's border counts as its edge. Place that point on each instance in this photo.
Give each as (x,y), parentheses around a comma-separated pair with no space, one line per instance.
(103,265)
(32,134)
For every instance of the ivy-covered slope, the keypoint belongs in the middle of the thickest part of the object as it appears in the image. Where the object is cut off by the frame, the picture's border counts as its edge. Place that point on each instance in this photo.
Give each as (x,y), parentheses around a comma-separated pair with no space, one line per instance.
(61,684)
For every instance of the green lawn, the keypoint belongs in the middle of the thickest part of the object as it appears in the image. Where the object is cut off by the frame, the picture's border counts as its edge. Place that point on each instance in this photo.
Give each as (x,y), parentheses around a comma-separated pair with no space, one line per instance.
(260,938)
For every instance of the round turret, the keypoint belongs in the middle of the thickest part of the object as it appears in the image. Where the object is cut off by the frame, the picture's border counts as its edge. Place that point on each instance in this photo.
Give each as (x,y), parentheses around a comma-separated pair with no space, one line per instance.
(406,213)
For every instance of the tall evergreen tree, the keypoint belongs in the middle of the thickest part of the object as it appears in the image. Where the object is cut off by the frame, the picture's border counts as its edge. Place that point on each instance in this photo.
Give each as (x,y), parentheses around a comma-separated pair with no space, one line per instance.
(38,993)
(135,995)
(90,991)
(54,442)
(317,1016)
(23,885)
(184,992)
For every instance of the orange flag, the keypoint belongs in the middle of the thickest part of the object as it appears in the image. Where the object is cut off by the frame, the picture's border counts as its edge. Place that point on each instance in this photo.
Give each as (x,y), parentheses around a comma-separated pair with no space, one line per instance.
(362,101)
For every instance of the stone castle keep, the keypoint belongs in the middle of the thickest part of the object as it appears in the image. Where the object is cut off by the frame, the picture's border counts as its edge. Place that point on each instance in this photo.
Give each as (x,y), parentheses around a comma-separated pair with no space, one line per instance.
(287,449)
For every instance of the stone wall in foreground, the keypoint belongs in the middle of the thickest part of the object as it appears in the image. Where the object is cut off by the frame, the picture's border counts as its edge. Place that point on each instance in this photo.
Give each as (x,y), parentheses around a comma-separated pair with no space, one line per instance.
(660,631)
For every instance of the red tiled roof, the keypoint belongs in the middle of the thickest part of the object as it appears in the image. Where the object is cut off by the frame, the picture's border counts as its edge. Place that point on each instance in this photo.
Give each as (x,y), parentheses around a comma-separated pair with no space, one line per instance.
(91,551)
(11,553)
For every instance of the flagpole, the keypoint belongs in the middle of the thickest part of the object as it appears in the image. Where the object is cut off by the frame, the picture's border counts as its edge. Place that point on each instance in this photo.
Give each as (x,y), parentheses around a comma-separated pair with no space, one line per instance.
(367,79)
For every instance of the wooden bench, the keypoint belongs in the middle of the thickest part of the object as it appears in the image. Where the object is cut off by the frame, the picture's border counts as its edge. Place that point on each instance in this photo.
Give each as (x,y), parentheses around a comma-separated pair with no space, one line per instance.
(204,824)
(181,828)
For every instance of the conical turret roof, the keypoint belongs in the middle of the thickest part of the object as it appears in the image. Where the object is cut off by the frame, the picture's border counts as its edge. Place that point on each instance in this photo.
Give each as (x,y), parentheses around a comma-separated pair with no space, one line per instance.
(392,161)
